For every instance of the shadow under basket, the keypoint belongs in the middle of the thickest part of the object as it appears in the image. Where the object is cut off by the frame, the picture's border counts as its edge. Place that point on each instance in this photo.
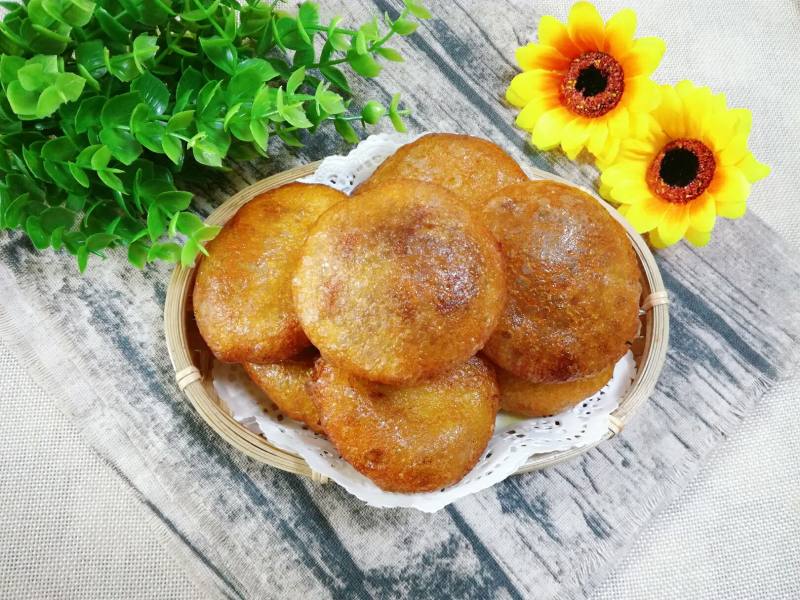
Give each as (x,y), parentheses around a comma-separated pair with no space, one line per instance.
(192,360)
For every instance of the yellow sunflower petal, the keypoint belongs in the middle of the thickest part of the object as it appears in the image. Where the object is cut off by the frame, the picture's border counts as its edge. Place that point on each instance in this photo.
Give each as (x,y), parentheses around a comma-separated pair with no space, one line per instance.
(623,171)
(731,210)
(547,132)
(735,150)
(644,56)
(719,126)
(646,214)
(674,224)
(619,123)
(609,153)
(630,192)
(752,169)
(698,109)
(669,113)
(553,32)
(655,240)
(574,136)
(532,84)
(641,94)
(597,137)
(619,32)
(534,109)
(585,27)
(697,237)
(702,213)
(539,56)
(729,185)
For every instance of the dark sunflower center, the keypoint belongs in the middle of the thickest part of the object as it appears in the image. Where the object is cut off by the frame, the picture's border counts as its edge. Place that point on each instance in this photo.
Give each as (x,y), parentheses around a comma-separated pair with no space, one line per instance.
(682,171)
(591,81)
(593,84)
(679,167)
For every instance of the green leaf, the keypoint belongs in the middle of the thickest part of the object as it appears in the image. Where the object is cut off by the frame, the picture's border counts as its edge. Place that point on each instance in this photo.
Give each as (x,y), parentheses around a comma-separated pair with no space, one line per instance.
(336,77)
(153,91)
(295,80)
(288,34)
(57,217)
(111,180)
(101,157)
(363,64)
(79,174)
(118,110)
(137,254)
(144,49)
(390,54)
(260,134)
(296,116)
(250,76)
(417,9)
(22,102)
(123,145)
(346,131)
(59,149)
(336,39)
(308,14)
(88,113)
(147,129)
(328,102)
(189,85)
(173,149)
(155,223)
(404,27)
(111,26)
(9,66)
(75,13)
(169,252)
(360,43)
(33,227)
(100,241)
(394,114)
(33,78)
(174,201)
(189,252)
(221,52)
(180,121)
(186,223)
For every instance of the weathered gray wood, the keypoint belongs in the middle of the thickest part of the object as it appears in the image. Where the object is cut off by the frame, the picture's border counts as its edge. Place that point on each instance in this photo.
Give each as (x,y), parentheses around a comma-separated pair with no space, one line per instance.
(246,530)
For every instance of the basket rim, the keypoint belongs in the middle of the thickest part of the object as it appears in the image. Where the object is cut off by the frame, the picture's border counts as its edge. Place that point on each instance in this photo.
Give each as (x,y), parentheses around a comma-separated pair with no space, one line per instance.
(259,448)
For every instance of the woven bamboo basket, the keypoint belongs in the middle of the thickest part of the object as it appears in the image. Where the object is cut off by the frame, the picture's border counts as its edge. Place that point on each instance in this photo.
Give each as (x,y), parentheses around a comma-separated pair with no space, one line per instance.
(192,359)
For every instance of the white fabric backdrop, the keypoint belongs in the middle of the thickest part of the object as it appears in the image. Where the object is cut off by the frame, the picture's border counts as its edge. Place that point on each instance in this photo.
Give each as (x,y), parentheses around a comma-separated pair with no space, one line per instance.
(70,529)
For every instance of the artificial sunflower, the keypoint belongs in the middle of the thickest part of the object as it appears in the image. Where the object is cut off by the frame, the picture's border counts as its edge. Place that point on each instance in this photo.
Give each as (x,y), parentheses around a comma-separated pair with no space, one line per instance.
(586,84)
(690,166)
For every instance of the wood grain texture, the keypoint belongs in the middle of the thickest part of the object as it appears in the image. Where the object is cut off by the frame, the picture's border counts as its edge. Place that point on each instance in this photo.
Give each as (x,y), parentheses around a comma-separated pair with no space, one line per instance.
(245,530)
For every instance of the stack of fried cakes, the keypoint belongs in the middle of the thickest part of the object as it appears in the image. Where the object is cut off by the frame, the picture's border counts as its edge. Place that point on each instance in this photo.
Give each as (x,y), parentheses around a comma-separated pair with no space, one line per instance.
(399,320)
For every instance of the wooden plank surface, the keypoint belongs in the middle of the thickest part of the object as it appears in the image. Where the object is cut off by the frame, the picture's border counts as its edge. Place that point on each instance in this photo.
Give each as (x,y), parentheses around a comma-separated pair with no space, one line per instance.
(245,530)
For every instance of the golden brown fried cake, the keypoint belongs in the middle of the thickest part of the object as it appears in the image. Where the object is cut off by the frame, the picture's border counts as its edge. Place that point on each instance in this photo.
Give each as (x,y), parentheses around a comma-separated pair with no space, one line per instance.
(400,284)
(470,167)
(286,384)
(242,297)
(545,399)
(413,438)
(573,283)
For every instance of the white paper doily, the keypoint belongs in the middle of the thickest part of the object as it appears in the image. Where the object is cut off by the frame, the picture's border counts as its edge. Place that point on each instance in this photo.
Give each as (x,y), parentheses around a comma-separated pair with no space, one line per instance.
(514,441)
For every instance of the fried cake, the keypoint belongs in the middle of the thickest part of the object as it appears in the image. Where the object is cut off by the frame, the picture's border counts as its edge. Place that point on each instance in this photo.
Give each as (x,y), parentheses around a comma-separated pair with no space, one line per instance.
(413,438)
(286,384)
(470,167)
(573,283)
(242,295)
(400,284)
